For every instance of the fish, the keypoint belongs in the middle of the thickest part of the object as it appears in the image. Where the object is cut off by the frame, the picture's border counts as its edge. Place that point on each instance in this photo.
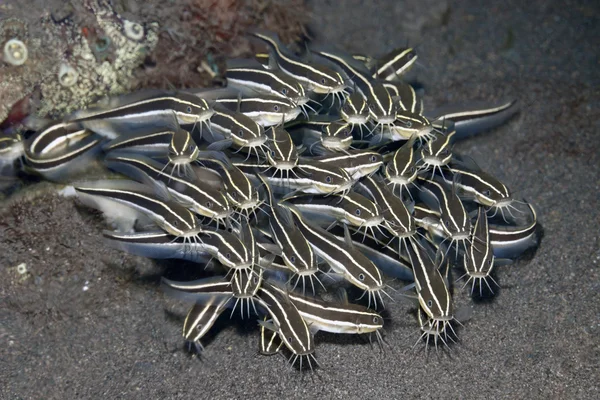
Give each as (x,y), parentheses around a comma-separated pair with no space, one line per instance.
(405,97)
(478,261)
(437,152)
(357,163)
(287,322)
(339,317)
(249,75)
(282,153)
(342,257)
(200,318)
(317,78)
(191,193)
(381,106)
(475,118)
(393,65)
(240,191)
(401,170)
(432,292)
(355,109)
(397,218)
(456,223)
(144,110)
(350,208)
(296,252)
(264,110)
(60,150)
(125,202)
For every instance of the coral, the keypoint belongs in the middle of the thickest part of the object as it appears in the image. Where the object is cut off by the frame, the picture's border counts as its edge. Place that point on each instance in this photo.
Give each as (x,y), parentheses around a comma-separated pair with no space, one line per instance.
(101,62)
(81,51)
(73,61)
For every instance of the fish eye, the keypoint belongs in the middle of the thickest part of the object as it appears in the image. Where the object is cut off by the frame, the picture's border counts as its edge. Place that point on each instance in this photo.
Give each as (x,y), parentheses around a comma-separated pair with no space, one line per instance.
(175,223)
(375,320)
(272,153)
(328,179)
(276,108)
(444,152)
(373,158)
(323,81)
(208,204)
(361,277)
(199,327)
(189,109)
(346,132)
(255,279)
(410,55)
(241,133)
(447,223)
(284,91)
(293,259)
(357,212)
(429,303)
(228,256)
(191,147)
(234,195)
(411,169)
(408,124)
(486,192)
(290,339)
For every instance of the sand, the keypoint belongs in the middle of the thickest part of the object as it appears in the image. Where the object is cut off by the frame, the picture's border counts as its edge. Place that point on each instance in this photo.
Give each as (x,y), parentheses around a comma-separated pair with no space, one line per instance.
(89,322)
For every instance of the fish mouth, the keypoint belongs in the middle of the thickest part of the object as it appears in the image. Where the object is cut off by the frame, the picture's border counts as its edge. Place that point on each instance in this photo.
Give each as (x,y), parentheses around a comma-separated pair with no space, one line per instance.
(203,116)
(503,203)
(307,272)
(248,204)
(304,353)
(242,266)
(461,236)
(429,160)
(285,165)
(257,141)
(191,233)
(385,119)
(180,160)
(401,179)
(344,187)
(300,101)
(404,235)
(479,275)
(223,214)
(444,319)
(373,221)
(357,119)
(326,90)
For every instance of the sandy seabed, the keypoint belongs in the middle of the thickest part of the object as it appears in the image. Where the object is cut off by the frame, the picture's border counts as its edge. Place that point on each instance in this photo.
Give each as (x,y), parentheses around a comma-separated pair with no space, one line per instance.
(89,322)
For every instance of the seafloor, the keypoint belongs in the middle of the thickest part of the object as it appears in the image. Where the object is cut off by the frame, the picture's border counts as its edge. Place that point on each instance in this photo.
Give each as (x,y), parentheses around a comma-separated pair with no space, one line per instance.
(88,322)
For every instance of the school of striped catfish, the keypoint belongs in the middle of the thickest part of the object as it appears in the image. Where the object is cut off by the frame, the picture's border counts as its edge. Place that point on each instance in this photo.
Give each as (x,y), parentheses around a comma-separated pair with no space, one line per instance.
(307,173)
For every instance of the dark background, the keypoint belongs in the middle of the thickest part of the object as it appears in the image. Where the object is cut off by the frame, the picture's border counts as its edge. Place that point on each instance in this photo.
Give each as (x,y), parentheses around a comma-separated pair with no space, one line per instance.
(538,339)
